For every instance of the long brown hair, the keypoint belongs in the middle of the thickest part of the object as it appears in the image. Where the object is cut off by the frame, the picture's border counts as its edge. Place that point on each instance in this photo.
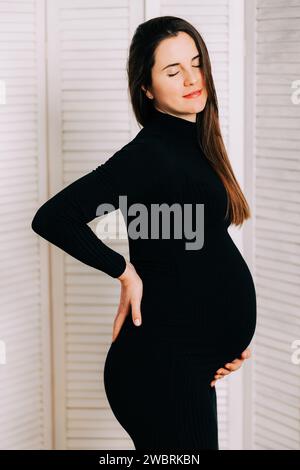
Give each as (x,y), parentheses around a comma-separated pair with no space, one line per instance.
(140,61)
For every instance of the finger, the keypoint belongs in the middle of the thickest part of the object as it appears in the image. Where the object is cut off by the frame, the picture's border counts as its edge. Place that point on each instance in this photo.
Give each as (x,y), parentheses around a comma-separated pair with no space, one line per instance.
(136,313)
(236,361)
(234,365)
(223,371)
(212,384)
(246,354)
(218,376)
(118,322)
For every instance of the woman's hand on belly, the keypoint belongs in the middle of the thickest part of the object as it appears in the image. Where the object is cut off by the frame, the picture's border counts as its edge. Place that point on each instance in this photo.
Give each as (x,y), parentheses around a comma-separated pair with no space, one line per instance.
(131,296)
(231,366)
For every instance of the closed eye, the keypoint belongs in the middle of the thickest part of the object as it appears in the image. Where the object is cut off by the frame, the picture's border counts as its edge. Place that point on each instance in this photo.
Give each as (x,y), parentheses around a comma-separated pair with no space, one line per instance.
(173,75)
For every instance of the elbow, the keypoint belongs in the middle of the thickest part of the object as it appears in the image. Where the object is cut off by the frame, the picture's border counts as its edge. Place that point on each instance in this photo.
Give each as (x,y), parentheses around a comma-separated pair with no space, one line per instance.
(38,222)
(42,221)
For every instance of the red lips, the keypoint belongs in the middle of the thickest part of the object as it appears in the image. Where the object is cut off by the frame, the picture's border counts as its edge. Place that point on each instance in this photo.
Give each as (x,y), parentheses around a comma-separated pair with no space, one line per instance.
(192,93)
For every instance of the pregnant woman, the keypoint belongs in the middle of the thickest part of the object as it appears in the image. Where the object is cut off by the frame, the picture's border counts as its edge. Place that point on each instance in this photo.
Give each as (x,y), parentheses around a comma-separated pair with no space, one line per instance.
(193,293)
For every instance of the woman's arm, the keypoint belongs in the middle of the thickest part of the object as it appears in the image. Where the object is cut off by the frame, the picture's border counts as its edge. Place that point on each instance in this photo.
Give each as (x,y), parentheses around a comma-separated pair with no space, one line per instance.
(62,220)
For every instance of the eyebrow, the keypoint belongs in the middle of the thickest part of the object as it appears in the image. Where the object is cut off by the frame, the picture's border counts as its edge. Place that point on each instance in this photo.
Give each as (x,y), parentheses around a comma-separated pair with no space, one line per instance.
(177,63)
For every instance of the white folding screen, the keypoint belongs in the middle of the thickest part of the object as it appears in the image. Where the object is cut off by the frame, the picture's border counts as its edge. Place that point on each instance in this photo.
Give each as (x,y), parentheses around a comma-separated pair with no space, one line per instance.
(25,386)
(74,52)
(89,120)
(276,407)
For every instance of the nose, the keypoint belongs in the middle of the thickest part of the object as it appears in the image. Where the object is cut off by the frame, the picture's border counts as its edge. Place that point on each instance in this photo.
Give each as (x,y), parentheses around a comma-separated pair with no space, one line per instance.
(191,77)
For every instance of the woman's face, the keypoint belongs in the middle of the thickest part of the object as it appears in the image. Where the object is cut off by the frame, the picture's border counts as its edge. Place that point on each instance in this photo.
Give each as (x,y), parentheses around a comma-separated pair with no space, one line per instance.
(171,82)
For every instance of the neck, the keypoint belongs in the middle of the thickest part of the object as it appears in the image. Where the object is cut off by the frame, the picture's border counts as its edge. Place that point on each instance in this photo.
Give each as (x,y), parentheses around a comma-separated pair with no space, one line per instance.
(188,117)
(176,126)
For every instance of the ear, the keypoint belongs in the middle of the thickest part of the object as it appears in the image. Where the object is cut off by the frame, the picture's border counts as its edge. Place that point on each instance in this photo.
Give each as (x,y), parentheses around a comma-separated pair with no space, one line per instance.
(148,94)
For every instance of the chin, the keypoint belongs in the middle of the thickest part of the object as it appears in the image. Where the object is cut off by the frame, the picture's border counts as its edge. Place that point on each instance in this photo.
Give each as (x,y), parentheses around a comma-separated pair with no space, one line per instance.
(201,107)
(196,108)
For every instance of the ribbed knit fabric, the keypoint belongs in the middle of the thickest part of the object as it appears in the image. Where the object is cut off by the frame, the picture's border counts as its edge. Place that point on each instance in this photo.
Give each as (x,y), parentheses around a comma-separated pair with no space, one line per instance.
(198,306)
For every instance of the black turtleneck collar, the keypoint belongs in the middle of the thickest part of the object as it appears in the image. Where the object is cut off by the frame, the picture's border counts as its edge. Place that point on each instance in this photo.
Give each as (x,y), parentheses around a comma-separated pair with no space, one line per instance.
(174,125)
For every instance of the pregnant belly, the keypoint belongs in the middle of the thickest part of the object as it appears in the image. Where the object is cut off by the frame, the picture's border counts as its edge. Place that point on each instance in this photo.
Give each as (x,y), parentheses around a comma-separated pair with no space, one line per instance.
(209,299)
(223,298)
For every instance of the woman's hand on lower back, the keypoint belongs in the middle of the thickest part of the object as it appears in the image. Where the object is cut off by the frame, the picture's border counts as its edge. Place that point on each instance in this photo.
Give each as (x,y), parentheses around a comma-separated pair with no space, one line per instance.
(231,366)
(131,295)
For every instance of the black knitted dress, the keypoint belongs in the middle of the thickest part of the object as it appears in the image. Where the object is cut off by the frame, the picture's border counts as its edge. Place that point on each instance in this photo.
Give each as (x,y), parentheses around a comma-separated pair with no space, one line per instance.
(199,301)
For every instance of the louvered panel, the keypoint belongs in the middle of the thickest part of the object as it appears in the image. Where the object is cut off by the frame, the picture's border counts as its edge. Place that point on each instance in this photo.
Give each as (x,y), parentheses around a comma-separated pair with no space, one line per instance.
(277,356)
(25,415)
(88,43)
(270,441)
(268,273)
(212,21)
(91,421)
(277,149)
